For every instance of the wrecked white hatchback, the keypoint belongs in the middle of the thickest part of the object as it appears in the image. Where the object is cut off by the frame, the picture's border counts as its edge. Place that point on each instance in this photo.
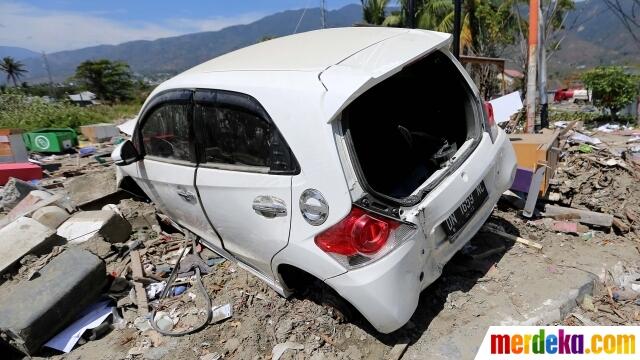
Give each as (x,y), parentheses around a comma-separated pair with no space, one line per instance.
(358,157)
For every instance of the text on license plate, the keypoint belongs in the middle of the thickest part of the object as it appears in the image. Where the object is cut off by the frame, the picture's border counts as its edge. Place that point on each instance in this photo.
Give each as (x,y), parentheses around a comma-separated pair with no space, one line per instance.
(466,210)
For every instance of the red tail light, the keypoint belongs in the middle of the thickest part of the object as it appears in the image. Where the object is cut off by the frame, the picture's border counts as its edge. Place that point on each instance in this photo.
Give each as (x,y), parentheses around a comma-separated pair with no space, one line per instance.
(358,233)
(488,108)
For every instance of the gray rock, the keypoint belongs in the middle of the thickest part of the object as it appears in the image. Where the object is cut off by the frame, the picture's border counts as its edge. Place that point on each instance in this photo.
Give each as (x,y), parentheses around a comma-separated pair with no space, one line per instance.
(50,216)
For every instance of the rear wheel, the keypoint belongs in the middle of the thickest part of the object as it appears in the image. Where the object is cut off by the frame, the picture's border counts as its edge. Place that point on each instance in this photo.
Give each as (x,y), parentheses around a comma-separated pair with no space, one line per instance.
(307,286)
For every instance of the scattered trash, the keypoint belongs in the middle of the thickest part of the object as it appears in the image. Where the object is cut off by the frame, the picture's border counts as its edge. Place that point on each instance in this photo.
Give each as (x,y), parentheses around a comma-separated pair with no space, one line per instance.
(155,289)
(221,312)
(90,318)
(585,149)
(582,138)
(87,150)
(163,321)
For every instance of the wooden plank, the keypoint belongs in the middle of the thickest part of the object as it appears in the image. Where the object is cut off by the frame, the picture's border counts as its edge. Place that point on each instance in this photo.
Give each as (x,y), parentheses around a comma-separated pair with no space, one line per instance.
(584,216)
(141,293)
(518,239)
(398,350)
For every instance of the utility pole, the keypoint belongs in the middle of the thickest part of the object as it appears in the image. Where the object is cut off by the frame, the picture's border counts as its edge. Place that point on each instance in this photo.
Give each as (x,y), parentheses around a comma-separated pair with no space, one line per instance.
(532,77)
(457,13)
(542,76)
(322,15)
(411,14)
(46,66)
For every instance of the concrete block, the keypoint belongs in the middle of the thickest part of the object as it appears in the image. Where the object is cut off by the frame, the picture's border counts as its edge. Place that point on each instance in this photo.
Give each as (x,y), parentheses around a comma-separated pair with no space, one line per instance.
(14,191)
(31,199)
(50,216)
(99,132)
(38,309)
(89,187)
(25,236)
(87,224)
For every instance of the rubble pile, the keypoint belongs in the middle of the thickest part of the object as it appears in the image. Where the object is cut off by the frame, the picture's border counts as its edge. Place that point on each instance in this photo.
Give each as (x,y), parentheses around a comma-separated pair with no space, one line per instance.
(164,294)
(140,248)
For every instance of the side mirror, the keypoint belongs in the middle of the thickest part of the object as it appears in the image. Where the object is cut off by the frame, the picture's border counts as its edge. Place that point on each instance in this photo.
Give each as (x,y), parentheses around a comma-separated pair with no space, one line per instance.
(125,154)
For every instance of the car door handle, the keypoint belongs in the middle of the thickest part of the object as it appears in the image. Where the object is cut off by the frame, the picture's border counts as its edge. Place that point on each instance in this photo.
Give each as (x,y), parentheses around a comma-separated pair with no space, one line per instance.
(269,206)
(186,195)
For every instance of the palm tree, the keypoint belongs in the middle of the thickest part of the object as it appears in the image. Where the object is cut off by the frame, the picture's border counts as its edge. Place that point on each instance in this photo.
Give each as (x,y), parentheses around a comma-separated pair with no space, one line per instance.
(373,11)
(431,15)
(14,69)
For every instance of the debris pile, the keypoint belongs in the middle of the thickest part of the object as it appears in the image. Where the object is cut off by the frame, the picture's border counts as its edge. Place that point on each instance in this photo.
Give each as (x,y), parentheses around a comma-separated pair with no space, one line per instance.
(151,281)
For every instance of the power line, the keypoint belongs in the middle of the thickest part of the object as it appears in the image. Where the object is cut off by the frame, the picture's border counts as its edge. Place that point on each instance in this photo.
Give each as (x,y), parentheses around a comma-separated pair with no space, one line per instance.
(301,16)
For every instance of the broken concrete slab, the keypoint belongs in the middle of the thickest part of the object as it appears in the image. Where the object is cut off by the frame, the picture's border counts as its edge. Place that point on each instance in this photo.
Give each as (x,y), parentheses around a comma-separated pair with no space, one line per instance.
(28,201)
(14,191)
(584,216)
(50,216)
(24,236)
(86,224)
(36,310)
(88,187)
(26,210)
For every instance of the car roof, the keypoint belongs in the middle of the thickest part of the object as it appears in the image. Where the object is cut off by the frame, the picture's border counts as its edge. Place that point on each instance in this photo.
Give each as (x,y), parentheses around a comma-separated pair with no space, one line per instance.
(308,51)
(329,67)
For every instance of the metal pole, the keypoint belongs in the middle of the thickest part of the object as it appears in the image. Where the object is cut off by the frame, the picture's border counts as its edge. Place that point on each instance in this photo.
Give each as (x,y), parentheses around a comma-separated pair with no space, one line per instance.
(542,77)
(457,13)
(322,15)
(411,14)
(46,66)
(532,68)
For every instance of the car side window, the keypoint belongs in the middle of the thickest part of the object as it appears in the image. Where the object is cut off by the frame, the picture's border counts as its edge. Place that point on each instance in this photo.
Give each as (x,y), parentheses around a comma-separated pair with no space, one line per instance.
(234,136)
(165,133)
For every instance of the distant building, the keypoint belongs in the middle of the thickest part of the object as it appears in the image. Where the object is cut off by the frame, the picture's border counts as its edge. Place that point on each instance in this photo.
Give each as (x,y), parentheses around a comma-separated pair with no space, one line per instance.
(84,98)
(511,75)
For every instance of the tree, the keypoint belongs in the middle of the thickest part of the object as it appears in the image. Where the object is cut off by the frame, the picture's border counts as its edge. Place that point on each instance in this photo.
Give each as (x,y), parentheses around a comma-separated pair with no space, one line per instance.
(627,13)
(14,69)
(109,80)
(611,87)
(373,11)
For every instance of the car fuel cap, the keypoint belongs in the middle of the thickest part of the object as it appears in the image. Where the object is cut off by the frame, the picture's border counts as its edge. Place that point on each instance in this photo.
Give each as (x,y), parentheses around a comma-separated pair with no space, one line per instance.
(314,207)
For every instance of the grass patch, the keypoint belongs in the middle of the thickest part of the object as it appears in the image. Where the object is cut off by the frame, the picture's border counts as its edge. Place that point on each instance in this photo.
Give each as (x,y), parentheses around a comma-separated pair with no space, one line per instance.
(29,113)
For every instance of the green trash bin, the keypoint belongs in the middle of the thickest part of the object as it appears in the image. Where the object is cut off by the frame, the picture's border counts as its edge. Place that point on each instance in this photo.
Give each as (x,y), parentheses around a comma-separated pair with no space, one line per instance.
(51,140)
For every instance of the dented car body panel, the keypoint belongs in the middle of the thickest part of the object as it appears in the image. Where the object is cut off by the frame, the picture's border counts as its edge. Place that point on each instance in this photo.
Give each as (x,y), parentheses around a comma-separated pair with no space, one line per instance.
(259,162)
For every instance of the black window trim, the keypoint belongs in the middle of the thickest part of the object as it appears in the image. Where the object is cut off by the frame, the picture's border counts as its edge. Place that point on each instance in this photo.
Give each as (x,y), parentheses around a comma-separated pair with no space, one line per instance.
(245,103)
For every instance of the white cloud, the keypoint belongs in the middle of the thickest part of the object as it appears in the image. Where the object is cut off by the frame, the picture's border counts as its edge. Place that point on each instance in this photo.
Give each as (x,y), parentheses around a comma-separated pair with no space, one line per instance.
(212,24)
(36,29)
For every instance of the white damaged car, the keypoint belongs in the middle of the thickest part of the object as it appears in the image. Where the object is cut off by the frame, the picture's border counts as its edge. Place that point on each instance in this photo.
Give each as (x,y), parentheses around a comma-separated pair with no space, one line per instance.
(360,157)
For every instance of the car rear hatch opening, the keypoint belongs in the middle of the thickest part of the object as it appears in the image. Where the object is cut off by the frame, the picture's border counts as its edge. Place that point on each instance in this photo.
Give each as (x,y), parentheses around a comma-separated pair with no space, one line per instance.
(412,129)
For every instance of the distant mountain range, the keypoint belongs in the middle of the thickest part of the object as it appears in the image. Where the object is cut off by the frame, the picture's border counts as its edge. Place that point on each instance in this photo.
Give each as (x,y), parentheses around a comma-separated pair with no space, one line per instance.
(17,53)
(597,38)
(175,54)
(600,39)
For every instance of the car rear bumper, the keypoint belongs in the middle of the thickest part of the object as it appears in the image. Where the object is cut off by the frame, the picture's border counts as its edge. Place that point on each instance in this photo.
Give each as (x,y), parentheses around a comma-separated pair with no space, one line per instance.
(386,292)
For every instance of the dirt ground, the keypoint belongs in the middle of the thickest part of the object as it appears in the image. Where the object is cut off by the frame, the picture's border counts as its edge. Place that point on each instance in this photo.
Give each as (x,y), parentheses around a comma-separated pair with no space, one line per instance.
(492,281)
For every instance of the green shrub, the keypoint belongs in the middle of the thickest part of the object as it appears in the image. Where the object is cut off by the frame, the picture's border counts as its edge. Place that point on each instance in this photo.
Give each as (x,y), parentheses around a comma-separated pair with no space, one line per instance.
(23,112)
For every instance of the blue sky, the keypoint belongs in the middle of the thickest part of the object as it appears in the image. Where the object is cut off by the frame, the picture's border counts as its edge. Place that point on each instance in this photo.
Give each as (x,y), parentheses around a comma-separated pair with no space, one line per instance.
(69,24)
